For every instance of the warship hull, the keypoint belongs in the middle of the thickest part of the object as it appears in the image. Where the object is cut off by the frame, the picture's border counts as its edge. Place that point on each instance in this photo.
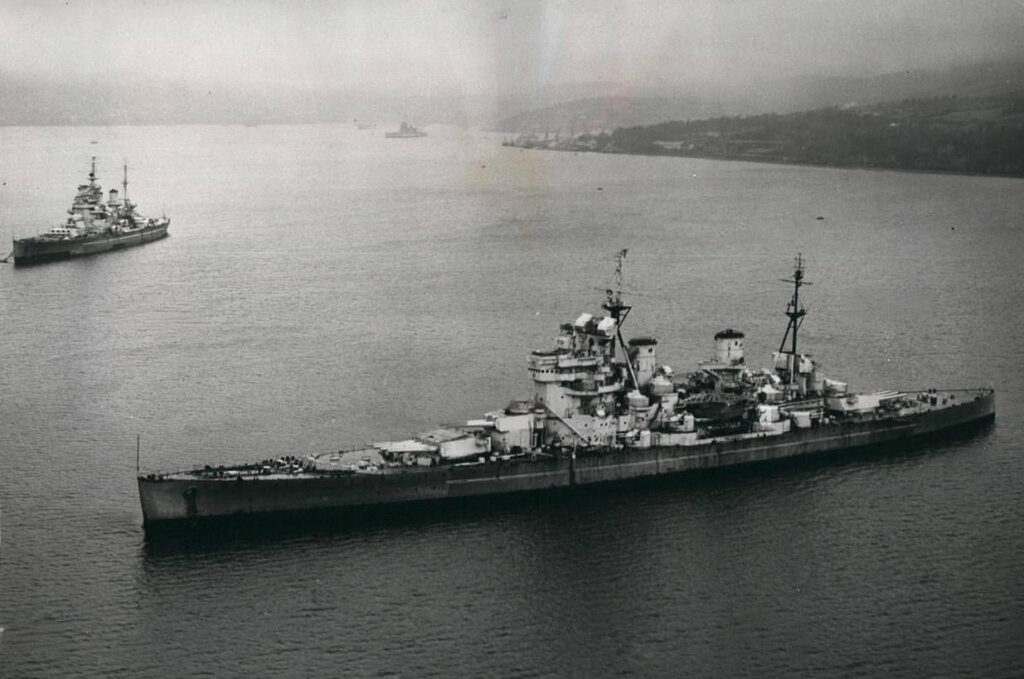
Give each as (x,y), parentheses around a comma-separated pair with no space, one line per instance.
(28,251)
(183,498)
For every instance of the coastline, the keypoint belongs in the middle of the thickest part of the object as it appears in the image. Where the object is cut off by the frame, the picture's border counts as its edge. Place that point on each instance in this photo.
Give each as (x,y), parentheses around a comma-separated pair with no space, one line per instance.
(778,161)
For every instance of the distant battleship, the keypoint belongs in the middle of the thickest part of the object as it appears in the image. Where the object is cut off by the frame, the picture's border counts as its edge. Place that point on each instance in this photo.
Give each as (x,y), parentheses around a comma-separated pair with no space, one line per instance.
(603,410)
(405,131)
(92,226)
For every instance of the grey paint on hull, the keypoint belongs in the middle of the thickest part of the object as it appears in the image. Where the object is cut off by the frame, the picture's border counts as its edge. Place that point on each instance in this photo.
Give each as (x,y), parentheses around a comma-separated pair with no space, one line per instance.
(177,499)
(32,252)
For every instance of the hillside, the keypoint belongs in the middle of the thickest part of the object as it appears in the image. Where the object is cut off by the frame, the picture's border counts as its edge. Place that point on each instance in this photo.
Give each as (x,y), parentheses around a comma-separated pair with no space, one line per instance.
(120,98)
(967,80)
(978,135)
(606,113)
(728,98)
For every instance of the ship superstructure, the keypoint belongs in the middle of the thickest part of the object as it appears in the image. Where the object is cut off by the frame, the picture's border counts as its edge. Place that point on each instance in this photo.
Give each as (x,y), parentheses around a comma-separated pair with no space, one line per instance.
(603,409)
(93,225)
(405,131)
(596,391)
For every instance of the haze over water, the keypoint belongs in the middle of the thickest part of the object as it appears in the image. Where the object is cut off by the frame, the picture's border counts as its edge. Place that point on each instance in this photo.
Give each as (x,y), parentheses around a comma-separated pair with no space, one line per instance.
(325,287)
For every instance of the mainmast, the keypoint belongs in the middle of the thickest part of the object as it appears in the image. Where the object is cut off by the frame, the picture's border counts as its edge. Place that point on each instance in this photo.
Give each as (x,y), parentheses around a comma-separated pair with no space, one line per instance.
(796,312)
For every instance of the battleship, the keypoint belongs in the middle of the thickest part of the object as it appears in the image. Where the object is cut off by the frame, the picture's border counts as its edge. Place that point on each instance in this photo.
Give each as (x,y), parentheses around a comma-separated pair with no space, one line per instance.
(603,410)
(405,131)
(92,226)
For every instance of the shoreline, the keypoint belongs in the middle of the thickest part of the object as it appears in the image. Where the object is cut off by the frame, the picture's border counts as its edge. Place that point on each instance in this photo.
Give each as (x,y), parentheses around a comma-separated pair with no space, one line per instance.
(777,161)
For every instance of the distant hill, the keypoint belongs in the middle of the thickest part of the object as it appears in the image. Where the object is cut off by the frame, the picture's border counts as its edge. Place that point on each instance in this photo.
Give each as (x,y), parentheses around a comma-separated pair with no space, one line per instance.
(118,98)
(972,80)
(607,113)
(122,99)
(982,135)
(710,100)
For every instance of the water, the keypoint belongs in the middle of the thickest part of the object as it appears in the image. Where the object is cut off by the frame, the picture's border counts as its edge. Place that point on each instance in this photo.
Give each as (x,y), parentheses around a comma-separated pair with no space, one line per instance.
(324,286)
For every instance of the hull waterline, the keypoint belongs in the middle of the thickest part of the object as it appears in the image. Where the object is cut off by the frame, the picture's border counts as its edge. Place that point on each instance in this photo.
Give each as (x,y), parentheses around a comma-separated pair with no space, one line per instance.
(603,411)
(174,500)
(93,225)
(29,253)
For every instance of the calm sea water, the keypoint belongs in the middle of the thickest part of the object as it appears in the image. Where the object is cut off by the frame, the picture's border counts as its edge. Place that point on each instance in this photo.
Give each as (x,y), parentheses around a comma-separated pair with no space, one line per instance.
(325,287)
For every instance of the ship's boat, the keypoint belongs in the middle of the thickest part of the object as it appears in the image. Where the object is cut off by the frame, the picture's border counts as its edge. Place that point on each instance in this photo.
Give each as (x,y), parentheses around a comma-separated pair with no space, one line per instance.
(603,410)
(93,225)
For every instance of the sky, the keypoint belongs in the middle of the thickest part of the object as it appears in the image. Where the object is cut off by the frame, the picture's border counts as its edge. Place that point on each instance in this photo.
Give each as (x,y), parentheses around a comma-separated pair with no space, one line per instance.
(489,47)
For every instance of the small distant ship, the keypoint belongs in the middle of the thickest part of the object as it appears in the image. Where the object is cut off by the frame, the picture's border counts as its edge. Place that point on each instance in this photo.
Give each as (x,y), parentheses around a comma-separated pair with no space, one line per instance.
(405,131)
(92,226)
(603,411)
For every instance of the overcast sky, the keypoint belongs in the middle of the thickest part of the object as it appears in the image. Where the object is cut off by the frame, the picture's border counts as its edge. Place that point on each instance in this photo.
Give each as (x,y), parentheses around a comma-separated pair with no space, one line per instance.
(481,47)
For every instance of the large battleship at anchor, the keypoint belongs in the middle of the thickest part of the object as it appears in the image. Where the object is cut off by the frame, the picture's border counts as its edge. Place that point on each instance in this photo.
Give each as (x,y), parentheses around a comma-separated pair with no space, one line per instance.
(603,410)
(92,226)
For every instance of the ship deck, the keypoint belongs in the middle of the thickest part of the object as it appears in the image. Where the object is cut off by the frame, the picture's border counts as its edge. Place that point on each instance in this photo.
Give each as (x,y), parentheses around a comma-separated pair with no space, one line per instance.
(288,485)
(369,461)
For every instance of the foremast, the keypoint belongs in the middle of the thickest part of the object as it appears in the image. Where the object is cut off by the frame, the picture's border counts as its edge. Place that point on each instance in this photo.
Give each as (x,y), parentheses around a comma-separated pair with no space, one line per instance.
(795,311)
(618,312)
(588,391)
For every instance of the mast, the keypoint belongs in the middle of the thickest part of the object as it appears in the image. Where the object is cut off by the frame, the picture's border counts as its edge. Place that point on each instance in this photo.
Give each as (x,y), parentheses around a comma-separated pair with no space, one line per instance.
(124,183)
(795,311)
(613,305)
(92,174)
(618,311)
